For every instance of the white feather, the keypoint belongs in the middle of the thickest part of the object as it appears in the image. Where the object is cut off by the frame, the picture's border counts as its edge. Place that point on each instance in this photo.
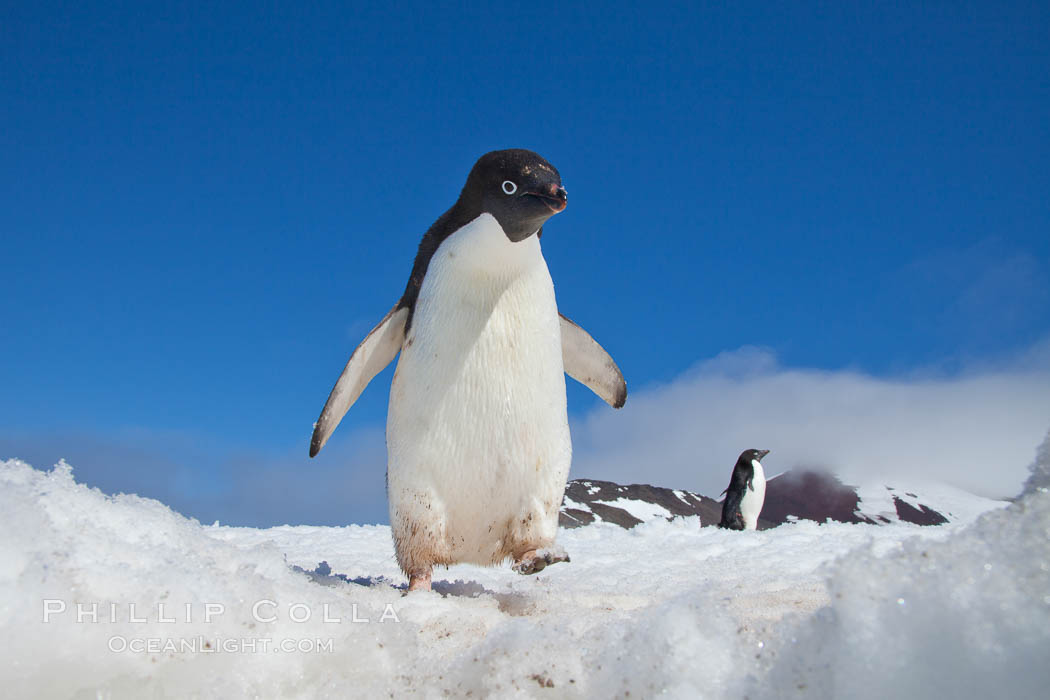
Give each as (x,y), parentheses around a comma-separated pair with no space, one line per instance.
(477,430)
(751,504)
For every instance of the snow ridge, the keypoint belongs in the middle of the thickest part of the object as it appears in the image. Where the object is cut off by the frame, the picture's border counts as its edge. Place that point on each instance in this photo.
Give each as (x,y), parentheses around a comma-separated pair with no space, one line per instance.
(806,609)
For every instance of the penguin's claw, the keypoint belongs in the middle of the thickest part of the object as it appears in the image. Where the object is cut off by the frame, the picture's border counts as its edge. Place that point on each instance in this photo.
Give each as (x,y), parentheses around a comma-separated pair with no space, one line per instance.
(529,566)
(536,560)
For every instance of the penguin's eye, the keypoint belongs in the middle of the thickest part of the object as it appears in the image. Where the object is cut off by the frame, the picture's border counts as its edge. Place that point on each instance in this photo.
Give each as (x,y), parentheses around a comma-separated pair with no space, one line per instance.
(509,187)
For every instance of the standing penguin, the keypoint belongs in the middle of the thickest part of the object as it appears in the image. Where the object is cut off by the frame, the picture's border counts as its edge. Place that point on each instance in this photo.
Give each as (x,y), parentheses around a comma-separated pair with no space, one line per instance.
(478,446)
(746,492)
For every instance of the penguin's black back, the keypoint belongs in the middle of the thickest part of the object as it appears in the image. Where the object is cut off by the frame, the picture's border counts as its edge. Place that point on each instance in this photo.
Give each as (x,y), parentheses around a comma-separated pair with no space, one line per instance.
(448,223)
(743,473)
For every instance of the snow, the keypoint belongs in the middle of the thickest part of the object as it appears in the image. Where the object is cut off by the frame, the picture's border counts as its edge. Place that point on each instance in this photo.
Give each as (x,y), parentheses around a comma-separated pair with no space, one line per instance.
(639,509)
(681,497)
(965,617)
(1039,478)
(830,610)
(876,499)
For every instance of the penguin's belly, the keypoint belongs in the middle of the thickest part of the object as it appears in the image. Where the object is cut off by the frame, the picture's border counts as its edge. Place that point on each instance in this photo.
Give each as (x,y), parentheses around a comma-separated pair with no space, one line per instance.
(751,504)
(477,431)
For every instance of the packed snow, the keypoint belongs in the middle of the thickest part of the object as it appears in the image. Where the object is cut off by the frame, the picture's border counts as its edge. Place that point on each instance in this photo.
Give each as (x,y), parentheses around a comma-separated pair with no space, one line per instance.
(639,509)
(876,500)
(804,609)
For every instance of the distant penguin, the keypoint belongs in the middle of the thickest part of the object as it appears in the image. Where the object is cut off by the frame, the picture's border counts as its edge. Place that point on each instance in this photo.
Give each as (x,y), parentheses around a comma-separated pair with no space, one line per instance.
(478,445)
(746,492)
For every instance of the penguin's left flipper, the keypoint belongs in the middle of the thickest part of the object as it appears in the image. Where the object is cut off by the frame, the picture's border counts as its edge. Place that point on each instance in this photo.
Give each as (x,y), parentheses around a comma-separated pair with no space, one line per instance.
(587,362)
(375,352)
(537,560)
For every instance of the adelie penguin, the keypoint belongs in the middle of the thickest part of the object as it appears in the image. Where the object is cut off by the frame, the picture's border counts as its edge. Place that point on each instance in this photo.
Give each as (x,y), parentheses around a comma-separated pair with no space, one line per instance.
(746,492)
(478,446)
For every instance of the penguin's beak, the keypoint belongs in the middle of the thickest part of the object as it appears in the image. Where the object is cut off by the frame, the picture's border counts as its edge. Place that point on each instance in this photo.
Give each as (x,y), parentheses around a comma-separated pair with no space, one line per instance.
(762,454)
(554,196)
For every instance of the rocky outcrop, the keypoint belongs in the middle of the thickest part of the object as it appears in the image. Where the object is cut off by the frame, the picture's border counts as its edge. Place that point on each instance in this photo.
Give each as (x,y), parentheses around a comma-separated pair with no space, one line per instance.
(793,495)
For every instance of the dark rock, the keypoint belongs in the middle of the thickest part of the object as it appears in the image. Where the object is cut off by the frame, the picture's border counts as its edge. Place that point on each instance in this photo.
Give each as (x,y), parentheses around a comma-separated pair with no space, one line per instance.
(810,495)
(597,496)
(922,515)
(574,517)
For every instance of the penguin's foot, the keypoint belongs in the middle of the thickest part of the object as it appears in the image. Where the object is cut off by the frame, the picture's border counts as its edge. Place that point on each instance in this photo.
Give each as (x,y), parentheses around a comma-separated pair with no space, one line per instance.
(536,560)
(419,582)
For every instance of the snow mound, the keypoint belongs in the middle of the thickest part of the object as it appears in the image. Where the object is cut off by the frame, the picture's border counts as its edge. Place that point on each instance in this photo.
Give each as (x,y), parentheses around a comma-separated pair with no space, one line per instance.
(968,617)
(63,543)
(665,607)
(1039,479)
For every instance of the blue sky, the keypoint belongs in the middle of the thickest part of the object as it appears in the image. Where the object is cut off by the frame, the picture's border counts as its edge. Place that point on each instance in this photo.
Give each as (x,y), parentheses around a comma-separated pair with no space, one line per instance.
(204,210)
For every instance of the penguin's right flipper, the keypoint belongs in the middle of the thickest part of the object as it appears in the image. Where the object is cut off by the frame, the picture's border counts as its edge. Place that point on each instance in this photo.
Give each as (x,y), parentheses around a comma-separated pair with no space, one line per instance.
(587,362)
(375,352)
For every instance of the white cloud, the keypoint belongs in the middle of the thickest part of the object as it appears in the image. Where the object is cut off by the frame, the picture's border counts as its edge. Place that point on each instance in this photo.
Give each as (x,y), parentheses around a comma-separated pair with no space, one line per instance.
(977,430)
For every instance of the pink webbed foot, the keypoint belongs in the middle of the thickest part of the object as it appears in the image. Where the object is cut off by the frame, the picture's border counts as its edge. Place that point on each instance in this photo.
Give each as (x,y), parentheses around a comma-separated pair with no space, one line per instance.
(419,582)
(536,560)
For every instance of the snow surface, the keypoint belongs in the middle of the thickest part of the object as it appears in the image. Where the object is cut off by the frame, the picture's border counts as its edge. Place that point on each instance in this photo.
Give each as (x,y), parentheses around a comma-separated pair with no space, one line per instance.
(832,610)
(876,500)
(642,510)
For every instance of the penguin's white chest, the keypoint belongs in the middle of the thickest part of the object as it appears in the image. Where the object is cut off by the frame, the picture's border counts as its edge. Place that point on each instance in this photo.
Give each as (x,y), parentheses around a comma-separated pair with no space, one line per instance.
(751,504)
(477,430)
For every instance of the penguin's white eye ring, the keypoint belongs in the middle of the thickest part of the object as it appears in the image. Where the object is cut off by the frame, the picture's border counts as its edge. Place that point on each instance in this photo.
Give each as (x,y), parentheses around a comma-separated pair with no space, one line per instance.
(509,187)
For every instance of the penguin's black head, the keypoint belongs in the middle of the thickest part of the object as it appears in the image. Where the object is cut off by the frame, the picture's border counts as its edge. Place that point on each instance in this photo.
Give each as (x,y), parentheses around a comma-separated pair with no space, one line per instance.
(518,187)
(747,455)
